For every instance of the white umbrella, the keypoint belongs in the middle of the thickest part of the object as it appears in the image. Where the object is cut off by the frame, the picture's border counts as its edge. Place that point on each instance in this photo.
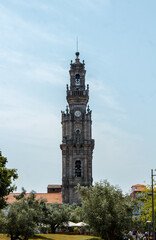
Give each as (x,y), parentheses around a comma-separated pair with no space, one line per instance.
(71,224)
(81,224)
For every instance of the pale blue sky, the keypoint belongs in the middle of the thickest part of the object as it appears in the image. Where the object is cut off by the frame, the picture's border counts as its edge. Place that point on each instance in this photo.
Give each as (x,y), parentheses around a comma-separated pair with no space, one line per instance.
(117,40)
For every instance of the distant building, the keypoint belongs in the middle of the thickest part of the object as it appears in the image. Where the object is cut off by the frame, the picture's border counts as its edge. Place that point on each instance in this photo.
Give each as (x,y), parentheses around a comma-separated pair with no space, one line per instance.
(137,189)
(54,188)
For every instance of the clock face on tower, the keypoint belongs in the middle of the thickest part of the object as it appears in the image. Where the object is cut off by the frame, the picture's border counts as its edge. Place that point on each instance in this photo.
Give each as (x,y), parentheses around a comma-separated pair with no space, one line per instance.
(77,113)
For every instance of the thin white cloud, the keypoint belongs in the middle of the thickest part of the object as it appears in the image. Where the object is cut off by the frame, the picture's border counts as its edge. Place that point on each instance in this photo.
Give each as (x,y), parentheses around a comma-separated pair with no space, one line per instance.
(35,124)
(106,94)
(52,73)
(27,67)
(87,5)
(21,62)
(11,56)
(26,117)
(117,152)
(37,5)
(16,28)
(105,128)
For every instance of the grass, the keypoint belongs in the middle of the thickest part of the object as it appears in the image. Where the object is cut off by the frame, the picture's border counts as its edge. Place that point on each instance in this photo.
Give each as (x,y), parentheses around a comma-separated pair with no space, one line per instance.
(56,237)
(3,237)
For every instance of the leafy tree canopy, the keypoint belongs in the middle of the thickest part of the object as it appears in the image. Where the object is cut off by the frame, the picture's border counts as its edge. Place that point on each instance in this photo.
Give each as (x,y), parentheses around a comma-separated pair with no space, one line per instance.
(55,215)
(2,221)
(76,213)
(106,209)
(7,176)
(23,216)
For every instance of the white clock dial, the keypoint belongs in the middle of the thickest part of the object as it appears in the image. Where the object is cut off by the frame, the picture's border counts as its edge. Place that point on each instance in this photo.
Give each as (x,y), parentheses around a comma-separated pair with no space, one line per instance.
(77,113)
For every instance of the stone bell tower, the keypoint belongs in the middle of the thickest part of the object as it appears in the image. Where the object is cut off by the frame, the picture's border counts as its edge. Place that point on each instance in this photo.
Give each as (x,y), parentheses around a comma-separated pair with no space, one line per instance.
(77,143)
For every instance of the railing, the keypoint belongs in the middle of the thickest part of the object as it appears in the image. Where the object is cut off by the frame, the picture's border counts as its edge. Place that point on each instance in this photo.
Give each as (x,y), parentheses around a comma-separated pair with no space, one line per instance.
(77,93)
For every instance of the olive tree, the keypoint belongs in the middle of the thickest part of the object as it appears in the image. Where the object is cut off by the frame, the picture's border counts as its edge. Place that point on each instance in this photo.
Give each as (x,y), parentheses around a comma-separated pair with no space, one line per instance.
(23,217)
(55,215)
(106,209)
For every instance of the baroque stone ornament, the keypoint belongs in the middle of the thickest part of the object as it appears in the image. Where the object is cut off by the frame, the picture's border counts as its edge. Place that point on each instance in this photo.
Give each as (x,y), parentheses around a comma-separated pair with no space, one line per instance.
(77,143)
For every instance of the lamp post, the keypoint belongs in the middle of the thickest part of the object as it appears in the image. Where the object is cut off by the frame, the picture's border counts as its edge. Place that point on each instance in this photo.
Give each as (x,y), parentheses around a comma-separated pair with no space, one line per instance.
(148,229)
(153,223)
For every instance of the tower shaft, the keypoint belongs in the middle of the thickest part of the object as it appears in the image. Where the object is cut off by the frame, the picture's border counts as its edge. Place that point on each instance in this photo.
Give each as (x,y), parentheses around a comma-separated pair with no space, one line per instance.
(77,143)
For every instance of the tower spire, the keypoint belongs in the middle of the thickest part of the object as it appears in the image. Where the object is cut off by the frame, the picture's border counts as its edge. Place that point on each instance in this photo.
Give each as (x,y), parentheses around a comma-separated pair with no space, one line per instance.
(77,45)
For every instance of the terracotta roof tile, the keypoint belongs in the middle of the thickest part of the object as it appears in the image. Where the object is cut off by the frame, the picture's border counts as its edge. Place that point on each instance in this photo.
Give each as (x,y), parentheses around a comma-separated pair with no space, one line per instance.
(138,185)
(50,197)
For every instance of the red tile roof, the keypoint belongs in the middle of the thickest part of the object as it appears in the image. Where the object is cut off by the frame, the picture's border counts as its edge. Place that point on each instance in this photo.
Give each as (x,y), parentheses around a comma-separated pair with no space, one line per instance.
(137,185)
(50,197)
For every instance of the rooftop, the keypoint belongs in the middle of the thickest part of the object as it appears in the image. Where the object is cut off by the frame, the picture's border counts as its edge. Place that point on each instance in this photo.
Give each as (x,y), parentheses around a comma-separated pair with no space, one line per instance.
(55,186)
(49,197)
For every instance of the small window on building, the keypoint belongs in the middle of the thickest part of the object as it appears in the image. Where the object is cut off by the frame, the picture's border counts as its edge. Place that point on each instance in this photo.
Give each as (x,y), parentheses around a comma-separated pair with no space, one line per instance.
(78,169)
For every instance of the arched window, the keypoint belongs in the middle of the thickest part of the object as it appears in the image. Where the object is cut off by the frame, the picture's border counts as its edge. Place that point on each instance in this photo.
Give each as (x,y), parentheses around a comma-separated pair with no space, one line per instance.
(77,79)
(78,168)
(77,76)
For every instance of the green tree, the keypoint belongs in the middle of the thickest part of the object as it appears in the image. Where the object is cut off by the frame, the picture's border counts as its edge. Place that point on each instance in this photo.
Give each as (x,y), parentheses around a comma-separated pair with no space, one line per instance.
(2,222)
(76,213)
(55,215)
(106,209)
(7,176)
(23,216)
